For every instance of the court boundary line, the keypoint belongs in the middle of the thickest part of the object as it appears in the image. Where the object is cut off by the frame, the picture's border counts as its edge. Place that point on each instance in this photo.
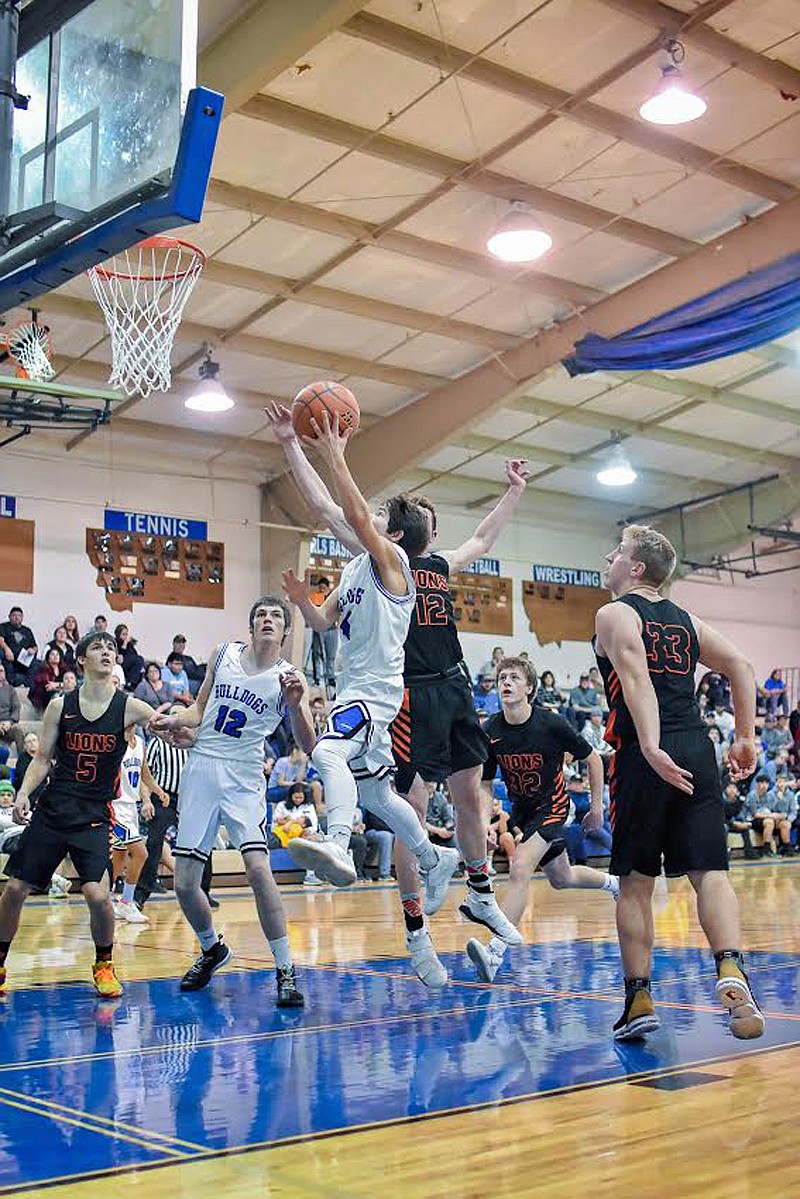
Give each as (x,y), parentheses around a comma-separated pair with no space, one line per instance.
(397,1121)
(112,1125)
(85,1123)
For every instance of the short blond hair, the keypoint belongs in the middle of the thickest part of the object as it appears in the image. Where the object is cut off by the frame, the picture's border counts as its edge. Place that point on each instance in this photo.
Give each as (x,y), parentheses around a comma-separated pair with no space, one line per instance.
(654,550)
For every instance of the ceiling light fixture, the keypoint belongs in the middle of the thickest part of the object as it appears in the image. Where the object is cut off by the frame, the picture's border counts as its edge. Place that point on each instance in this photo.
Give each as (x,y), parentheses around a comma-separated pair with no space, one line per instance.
(210,395)
(519,237)
(672,103)
(617,471)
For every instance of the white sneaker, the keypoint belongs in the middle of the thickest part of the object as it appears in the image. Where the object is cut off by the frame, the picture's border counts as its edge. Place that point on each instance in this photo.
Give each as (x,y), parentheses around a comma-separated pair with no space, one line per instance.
(437,879)
(59,886)
(613,886)
(427,966)
(326,859)
(124,910)
(485,959)
(311,880)
(484,909)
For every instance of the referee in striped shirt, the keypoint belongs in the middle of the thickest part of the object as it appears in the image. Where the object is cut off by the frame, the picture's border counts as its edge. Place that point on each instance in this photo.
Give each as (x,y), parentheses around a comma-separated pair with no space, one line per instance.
(166,764)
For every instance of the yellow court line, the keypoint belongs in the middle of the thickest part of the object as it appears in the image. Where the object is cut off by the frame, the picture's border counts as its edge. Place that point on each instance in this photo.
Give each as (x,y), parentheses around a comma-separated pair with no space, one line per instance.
(113,1124)
(103,1132)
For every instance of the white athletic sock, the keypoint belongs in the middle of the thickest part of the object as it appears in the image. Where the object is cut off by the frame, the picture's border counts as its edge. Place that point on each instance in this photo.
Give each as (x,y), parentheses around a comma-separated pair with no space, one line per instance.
(128,892)
(498,947)
(331,759)
(378,797)
(281,952)
(608,885)
(207,939)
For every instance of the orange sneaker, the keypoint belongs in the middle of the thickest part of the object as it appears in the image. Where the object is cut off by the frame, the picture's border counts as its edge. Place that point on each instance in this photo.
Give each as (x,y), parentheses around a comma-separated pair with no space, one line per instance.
(106,982)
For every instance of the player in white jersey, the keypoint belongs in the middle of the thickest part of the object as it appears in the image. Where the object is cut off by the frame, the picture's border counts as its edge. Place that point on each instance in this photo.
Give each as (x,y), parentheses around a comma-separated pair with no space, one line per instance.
(373,605)
(129,852)
(241,701)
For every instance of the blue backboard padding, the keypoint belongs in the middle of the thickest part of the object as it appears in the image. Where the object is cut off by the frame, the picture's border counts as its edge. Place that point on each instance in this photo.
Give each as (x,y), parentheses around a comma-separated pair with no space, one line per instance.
(181,204)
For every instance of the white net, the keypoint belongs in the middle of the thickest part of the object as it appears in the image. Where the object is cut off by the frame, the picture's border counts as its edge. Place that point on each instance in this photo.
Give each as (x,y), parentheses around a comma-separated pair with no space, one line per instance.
(143,292)
(31,346)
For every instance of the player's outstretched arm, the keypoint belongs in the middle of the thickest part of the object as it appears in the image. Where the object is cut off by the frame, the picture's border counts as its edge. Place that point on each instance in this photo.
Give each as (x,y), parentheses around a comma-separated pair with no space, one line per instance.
(722,655)
(318,617)
(487,532)
(331,442)
(619,636)
(39,768)
(294,688)
(188,718)
(312,488)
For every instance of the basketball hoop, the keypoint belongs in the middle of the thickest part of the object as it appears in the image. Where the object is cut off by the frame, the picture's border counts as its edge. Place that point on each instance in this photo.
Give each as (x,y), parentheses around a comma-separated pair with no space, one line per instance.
(31,346)
(143,292)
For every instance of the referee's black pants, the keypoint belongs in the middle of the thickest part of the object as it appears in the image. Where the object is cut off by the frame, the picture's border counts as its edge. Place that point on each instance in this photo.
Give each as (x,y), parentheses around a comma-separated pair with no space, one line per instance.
(163,817)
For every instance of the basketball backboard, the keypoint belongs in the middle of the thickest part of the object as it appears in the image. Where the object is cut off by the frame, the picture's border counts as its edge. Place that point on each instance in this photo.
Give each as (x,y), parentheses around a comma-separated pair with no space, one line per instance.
(115,142)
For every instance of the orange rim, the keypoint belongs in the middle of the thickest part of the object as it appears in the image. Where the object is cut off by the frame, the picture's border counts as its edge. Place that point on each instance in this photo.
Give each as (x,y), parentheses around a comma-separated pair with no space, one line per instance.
(158,242)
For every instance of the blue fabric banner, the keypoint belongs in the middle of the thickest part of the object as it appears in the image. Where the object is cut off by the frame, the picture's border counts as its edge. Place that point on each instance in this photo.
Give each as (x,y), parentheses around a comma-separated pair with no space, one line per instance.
(737,317)
(158,526)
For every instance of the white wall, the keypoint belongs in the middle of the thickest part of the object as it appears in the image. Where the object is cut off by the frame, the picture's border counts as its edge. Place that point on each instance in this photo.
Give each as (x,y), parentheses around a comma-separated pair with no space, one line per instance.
(65,499)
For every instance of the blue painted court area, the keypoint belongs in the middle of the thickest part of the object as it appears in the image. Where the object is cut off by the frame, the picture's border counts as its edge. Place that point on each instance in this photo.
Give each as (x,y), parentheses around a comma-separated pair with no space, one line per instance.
(88,1086)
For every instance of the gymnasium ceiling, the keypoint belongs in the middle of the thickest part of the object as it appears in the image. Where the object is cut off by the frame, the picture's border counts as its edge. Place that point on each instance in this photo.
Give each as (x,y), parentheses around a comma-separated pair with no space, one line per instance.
(366,154)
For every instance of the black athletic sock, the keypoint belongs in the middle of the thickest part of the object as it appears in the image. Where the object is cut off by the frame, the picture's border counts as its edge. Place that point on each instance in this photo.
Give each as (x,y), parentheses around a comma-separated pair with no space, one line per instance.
(412,913)
(104,953)
(632,985)
(4,948)
(478,876)
(731,955)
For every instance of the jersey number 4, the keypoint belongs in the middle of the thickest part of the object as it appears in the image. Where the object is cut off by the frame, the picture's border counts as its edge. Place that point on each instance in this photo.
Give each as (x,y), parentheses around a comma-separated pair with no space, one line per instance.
(230,721)
(669,648)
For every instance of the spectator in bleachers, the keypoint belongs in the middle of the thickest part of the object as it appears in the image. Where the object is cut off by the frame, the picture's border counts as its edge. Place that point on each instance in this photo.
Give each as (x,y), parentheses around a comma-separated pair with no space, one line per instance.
(70,623)
(30,747)
(294,816)
(69,681)
(594,731)
(46,681)
(440,819)
(720,747)
(61,643)
(500,834)
(548,696)
(717,688)
(195,671)
(289,769)
(18,646)
(776,735)
(485,696)
(128,657)
(737,819)
(724,720)
(581,701)
(100,624)
(176,681)
(324,646)
(596,679)
(786,808)
(489,668)
(152,689)
(10,730)
(380,835)
(319,713)
(761,808)
(774,691)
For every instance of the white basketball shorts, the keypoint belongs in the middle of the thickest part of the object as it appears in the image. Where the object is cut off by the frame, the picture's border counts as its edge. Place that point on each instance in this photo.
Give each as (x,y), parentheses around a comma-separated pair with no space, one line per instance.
(125,828)
(211,793)
(362,725)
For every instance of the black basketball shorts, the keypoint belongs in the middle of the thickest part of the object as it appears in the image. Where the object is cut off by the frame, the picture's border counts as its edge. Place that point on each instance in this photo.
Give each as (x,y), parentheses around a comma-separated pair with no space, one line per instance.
(653,822)
(547,819)
(43,846)
(436,732)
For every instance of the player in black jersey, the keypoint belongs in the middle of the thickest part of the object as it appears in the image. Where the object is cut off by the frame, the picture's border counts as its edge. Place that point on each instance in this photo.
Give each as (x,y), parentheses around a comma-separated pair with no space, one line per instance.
(666,798)
(436,734)
(85,733)
(528,744)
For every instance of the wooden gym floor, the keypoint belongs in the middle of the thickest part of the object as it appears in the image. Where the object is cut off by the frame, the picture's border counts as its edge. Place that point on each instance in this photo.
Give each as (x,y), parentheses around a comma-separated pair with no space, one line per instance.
(380,1087)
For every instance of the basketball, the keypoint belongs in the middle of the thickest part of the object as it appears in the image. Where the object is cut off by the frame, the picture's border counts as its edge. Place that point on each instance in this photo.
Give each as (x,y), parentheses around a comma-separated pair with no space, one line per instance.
(318,398)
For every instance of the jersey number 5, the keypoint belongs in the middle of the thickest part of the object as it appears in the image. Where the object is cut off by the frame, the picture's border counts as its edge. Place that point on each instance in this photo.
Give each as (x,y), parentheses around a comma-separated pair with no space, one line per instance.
(230,721)
(669,648)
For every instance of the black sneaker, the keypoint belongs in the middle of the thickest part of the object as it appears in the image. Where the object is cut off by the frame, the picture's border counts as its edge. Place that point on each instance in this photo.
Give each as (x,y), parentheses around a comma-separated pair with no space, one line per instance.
(207,964)
(288,994)
(118,886)
(159,888)
(212,902)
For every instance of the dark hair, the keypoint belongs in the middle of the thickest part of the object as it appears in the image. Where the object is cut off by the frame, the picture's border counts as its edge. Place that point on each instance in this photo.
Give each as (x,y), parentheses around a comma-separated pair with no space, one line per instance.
(525,666)
(544,675)
(152,662)
(324,581)
(53,649)
(175,658)
(100,616)
(295,788)
(16,608)
(272,601)
(89,639)
(425,503)
(408,517)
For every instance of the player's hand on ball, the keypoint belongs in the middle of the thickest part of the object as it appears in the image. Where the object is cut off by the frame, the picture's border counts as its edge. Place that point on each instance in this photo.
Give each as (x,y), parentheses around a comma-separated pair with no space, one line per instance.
(328,438)
(593,820)
(293,687)
(280,419)
(742,758)
(22,810)
(296,590)
(660,761)
(517,473)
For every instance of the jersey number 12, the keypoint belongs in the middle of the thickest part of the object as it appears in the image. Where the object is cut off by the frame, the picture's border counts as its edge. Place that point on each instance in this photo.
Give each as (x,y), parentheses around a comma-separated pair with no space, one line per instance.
(230,721)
